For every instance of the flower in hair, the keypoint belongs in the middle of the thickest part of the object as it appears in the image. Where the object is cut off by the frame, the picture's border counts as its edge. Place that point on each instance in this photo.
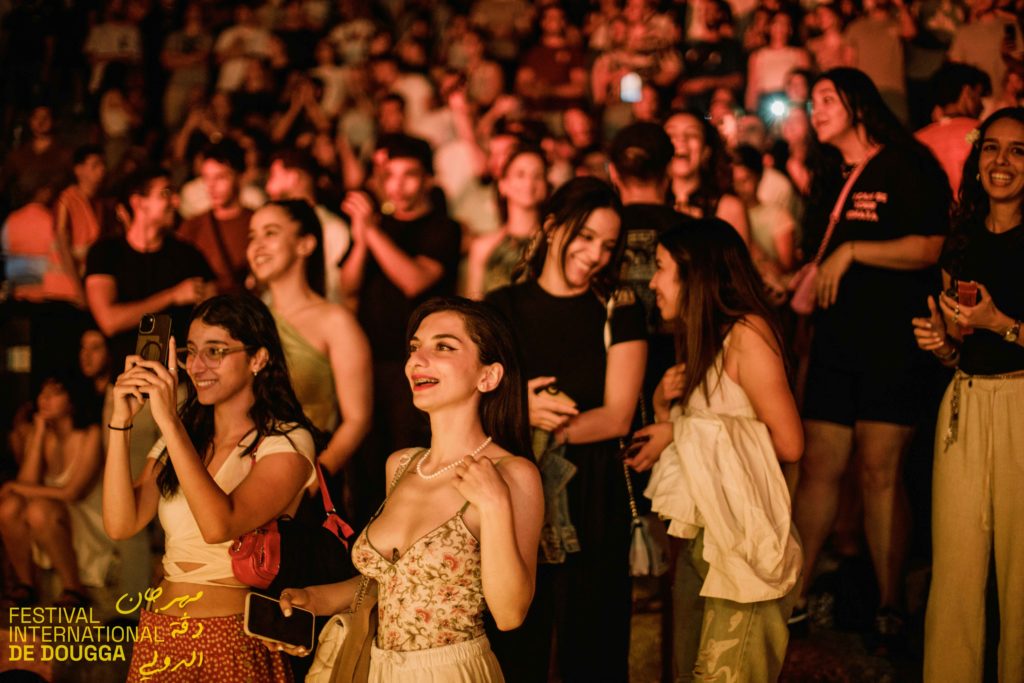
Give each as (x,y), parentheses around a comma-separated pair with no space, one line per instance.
(972,136)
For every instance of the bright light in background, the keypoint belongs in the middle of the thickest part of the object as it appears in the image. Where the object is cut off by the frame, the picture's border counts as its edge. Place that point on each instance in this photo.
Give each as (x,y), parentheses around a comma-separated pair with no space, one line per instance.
(777,108)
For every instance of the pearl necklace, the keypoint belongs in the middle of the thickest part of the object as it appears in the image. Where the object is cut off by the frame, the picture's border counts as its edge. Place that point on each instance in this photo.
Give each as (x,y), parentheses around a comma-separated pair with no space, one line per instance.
(449,466)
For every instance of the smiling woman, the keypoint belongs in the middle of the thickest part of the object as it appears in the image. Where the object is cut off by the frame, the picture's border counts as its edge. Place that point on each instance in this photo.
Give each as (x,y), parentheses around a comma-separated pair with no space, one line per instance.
(561,314)
(979,436)
(458,532)
(237,454)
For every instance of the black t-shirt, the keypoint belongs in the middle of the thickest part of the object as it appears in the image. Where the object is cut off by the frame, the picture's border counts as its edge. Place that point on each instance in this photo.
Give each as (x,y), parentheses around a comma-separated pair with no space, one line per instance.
(643,224)
(995,261)
(143,274)
(384,309)
(897,195)
(563,337)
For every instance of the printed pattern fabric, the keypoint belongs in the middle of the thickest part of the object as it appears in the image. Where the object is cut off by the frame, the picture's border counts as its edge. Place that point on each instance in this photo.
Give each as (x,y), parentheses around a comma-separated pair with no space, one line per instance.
(202,650)
(432,595)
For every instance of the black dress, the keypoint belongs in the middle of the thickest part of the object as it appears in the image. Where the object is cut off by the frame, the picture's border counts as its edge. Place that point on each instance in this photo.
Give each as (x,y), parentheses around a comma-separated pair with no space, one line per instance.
(587,598)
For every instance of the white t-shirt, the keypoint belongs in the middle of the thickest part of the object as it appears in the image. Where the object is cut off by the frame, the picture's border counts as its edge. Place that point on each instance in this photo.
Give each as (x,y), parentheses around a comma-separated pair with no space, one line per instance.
(256,43)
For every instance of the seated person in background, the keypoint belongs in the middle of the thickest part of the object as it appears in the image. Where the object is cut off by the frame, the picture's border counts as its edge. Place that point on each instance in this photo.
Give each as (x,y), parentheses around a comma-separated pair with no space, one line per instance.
(54,504)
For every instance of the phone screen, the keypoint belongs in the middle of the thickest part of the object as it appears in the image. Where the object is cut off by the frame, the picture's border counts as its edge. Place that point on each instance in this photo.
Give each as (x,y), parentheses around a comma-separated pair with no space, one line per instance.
(631,87)
(263,619)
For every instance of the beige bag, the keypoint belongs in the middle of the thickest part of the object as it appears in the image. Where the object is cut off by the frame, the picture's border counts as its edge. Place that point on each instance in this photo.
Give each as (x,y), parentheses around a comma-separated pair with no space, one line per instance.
(342,654)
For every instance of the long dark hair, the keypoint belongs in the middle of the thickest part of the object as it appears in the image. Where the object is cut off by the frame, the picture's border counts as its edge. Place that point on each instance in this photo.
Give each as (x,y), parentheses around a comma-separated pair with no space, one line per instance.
(86,406)
(570,207)
(865,106)
(503,412)
(714,173)
(300,211)
(972,206)
(719,285)
(275,410)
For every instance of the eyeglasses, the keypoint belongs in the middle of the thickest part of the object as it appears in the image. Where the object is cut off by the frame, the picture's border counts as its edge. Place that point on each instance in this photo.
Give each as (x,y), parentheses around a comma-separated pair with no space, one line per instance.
(212,356)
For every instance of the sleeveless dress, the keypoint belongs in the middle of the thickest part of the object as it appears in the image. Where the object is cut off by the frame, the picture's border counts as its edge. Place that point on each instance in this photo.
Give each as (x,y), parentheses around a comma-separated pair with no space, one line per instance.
(430,604)
(736,581)
(311,375)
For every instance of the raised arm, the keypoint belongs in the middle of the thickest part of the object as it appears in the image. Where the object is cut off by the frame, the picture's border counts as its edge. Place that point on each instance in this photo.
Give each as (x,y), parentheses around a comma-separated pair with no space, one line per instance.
(510,501)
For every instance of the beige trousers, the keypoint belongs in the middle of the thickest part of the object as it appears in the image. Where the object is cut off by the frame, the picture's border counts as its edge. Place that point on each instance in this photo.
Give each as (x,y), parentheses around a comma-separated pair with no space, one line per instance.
(978,506)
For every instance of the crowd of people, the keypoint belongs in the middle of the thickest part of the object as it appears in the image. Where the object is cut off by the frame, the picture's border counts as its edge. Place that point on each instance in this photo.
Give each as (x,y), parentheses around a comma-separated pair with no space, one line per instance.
(742,247)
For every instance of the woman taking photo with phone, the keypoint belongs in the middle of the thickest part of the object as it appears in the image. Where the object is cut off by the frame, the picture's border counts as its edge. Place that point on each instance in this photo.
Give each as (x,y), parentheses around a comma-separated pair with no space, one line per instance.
(882,213)
(236,455)
(977,508)
(597,361)
(731,367)
(458,532)
(326,351)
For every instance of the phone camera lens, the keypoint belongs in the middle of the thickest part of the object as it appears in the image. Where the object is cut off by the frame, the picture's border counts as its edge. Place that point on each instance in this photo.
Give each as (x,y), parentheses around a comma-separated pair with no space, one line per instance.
(147,324)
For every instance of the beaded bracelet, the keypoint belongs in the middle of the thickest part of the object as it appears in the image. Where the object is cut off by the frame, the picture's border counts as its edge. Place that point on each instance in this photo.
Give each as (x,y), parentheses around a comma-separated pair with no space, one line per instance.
(952,352)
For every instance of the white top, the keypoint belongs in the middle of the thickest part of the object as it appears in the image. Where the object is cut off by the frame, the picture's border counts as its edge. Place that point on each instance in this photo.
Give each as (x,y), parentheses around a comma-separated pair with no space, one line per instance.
(721,474)
(184,542)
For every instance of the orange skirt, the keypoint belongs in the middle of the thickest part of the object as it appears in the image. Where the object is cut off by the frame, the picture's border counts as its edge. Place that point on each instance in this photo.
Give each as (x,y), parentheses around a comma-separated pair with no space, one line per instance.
(202,650)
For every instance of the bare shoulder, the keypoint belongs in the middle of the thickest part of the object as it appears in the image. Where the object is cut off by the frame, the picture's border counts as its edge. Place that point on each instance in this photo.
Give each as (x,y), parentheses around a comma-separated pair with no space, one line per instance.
(518,471)
(752,333)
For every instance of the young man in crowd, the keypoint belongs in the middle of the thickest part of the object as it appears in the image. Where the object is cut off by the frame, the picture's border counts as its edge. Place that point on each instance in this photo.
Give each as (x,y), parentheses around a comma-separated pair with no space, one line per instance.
(397,261)
(148,270)
(222,233)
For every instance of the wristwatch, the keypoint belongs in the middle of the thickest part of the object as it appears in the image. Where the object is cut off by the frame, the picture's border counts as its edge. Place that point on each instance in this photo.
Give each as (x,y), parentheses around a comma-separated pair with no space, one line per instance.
(1013,333)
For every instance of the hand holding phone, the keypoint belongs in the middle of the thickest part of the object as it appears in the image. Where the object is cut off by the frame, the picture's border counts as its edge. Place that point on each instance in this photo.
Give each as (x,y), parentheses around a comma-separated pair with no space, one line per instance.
(966,295)
(265,620)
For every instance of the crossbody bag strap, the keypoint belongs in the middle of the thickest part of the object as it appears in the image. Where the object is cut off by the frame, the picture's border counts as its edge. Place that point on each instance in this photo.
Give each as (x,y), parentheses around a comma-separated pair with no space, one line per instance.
(833,218)
(222,247)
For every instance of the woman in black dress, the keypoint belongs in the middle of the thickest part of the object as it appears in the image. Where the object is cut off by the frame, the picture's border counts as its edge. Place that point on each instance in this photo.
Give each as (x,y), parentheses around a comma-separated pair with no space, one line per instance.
(578,334)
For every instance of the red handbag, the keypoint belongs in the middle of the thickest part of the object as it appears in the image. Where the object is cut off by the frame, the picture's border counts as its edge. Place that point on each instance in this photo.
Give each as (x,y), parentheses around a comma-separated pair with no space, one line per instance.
(256,555)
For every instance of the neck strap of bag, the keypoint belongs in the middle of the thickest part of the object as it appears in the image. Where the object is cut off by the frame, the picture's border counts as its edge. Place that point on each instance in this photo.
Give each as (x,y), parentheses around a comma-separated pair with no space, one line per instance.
(837,210)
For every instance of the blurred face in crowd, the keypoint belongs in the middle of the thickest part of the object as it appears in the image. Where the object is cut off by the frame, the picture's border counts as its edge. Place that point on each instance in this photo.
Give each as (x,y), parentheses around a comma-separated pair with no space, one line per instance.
(390,117)
(796,126)
(1001,162)
(221,183)
(744,182)
(156,207)
(91,171)
(524,183)
(53,401)
(588,252)
(40,122)
(282,182)
(780,28)
(552,22)
(498,151)
(687,135)
(93,358)
(444,365)
(665,283)
(405,186)
(275,245)
(647,108)
(796,88)
(829,115)
(826,17)
(578,127)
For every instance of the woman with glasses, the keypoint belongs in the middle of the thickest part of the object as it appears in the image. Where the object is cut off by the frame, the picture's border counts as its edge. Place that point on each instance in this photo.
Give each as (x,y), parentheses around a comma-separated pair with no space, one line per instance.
(326,351)
(237,454)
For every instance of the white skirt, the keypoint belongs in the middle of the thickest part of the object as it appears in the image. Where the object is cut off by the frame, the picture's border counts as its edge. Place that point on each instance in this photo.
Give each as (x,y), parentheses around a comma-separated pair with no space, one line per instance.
(471,661)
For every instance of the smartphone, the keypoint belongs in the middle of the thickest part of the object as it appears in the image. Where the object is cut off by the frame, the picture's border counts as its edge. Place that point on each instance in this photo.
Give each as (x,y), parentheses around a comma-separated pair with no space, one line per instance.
(631,87)
(153,338)
(263,619)
(553,391)
(634,446)
(966,295)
